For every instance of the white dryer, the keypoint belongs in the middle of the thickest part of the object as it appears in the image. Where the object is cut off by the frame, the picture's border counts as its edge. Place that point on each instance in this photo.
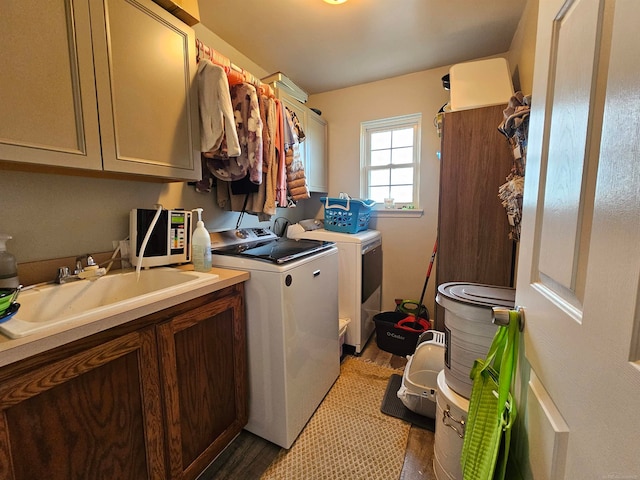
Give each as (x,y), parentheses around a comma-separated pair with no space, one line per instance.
(359,280)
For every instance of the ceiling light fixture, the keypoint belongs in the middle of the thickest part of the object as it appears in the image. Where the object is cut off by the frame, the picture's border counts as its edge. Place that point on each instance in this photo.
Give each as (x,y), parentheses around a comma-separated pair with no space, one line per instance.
(335,2)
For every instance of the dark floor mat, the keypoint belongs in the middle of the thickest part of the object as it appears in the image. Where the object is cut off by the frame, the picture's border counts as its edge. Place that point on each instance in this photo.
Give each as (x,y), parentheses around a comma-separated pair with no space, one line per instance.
(392,405)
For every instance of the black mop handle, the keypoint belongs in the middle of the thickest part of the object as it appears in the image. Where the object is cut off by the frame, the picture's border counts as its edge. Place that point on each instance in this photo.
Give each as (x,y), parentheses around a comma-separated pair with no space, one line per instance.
(433,256)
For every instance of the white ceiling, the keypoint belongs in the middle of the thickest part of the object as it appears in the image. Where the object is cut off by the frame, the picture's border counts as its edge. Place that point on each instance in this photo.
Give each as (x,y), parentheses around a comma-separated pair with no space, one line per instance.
(324,47)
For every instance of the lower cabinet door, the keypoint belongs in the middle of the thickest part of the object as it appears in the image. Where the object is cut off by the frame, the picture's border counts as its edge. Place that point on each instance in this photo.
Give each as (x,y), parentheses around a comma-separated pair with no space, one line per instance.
(203,364)
(96,414)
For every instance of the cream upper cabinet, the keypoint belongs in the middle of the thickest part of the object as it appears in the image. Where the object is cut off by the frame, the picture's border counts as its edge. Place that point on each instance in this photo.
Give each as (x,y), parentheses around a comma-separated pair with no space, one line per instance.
(127,62)
(147,97)
(314,148)
(48,112)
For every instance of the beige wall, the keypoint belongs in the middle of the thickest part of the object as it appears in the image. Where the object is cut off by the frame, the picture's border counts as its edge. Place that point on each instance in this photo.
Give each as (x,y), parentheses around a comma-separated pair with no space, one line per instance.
(52,216)
(55,216)
(407,242)
(523,47)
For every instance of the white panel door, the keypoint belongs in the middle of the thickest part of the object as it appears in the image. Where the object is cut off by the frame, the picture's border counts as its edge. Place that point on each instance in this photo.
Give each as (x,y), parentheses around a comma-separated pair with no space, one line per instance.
(579,264)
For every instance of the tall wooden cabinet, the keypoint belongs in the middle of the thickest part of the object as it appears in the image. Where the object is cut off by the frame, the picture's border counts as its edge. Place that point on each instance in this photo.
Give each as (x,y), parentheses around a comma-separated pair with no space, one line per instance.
(473,243)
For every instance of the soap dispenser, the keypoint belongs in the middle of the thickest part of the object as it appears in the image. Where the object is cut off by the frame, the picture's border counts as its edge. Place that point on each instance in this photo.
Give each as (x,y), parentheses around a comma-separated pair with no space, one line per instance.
(8,265)
(201,246)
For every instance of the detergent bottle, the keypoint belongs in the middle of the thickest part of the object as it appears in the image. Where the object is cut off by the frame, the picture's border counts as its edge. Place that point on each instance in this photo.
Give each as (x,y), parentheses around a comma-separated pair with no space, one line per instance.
(8,265)
(201,246)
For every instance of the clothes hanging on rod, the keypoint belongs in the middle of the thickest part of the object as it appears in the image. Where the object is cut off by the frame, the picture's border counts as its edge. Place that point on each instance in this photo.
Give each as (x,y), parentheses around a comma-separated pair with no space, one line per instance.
(281,177)
(269,117)
(250,144)
(248,124)
(296,177)
(218,134)
(260,202)
(216,112)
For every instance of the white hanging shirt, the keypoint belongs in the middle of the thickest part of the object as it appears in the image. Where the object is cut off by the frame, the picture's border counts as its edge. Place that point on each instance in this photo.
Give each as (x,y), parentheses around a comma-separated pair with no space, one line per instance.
(216,113)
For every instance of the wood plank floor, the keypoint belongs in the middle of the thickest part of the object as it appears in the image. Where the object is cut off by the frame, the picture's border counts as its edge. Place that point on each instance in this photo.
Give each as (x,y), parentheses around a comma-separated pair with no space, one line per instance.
(248,456)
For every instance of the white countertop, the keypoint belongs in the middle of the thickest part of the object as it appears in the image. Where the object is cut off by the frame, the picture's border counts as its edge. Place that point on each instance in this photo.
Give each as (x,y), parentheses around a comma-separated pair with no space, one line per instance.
(13,350)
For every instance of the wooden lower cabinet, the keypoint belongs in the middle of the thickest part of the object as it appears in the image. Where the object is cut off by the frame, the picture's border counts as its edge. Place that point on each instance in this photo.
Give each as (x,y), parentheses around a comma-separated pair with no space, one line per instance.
(155,399)
(95,415)
(204,388)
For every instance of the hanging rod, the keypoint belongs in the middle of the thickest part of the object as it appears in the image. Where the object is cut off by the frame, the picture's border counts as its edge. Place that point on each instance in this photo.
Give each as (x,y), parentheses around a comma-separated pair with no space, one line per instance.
(234,73)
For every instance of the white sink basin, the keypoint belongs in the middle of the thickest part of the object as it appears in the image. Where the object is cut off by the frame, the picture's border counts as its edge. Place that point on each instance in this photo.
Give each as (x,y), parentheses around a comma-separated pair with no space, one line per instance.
(85,301)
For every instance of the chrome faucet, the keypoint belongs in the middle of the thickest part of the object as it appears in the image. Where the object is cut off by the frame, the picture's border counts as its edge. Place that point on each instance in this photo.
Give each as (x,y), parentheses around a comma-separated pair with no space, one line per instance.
(79,267)
(90,271)
(64,276)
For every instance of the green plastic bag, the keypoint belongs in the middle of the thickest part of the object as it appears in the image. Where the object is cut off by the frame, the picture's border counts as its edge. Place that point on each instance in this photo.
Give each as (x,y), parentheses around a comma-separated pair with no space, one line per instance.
(492,410)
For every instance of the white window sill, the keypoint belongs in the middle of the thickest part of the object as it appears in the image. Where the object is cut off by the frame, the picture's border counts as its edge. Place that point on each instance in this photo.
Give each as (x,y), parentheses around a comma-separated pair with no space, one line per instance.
(397,212)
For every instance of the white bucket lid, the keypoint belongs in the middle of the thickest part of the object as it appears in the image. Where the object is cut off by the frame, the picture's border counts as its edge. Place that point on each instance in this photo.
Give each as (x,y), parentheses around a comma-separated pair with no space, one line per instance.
(476,294)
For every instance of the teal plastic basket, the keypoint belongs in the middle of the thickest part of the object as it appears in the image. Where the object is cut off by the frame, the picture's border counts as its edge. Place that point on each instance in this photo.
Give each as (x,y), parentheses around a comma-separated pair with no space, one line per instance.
(346,215)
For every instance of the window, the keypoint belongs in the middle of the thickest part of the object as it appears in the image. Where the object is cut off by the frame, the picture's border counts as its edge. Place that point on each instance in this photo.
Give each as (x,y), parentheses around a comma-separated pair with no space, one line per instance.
(390,159)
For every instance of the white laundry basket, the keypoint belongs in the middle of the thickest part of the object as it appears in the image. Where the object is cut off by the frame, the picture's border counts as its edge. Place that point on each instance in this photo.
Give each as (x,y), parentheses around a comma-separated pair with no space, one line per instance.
(419,380)
(452,411)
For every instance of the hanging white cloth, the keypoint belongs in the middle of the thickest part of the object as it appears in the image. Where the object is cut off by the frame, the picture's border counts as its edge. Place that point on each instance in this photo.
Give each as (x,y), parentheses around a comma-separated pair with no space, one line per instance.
(216,112)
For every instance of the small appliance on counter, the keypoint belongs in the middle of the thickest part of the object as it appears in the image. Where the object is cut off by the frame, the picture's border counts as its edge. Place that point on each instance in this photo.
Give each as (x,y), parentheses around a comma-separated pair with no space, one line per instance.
(169,241)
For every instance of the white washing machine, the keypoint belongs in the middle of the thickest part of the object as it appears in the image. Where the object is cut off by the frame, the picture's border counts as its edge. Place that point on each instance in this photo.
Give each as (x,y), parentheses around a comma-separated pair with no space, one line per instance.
(292,326)
(359,279)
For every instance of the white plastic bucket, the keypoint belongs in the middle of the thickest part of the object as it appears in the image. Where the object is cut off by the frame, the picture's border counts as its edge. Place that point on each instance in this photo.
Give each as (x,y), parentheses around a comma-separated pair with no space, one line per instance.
(469,330)
(451,416)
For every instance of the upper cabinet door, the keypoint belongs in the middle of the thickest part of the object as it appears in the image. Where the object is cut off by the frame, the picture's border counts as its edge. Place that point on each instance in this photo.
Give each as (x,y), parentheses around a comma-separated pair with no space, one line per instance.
(313,150)
(147,98)
(48,110)
(316,165)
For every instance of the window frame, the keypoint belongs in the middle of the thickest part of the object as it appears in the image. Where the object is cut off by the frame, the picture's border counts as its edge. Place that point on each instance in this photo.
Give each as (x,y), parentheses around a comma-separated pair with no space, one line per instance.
(367,128)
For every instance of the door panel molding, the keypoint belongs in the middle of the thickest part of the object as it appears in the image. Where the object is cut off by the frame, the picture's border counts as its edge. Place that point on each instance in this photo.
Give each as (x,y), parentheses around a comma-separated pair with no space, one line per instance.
(569,173)
(548,433)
